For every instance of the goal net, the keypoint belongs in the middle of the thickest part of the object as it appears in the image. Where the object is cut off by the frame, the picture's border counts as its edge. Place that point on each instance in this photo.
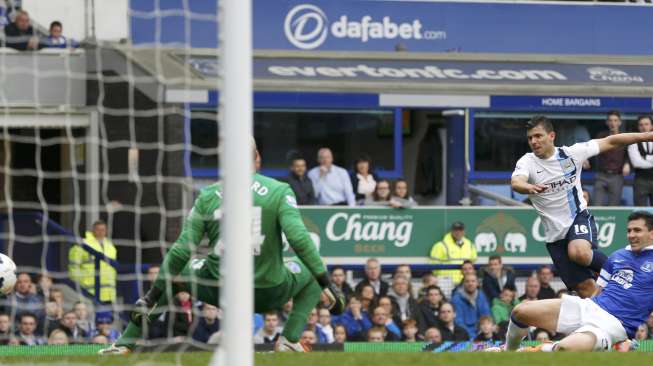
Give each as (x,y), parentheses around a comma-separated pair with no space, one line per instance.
(103,150)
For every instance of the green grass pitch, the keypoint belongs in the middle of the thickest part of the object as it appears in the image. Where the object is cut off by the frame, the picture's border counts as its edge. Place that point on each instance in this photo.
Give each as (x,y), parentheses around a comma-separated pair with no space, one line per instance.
(350,359)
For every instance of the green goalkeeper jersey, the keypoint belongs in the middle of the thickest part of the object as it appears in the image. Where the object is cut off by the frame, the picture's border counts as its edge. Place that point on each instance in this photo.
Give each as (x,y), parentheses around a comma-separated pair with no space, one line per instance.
(275,212)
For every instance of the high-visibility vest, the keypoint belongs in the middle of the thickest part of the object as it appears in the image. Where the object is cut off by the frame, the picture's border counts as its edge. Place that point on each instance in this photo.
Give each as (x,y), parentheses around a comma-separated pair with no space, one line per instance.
(447,251)
(81,267)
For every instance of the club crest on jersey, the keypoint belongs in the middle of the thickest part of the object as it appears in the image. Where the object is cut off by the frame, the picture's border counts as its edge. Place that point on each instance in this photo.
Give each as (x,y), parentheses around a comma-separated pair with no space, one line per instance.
(293,267)
(647,267)
(624,277)
(568,166)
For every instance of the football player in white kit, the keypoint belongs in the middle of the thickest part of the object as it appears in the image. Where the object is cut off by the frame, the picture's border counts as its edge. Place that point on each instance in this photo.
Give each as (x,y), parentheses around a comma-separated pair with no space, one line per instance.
(550,176)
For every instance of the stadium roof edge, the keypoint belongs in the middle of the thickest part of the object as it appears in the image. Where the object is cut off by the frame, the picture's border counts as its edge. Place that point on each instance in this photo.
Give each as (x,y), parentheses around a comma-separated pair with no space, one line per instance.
(406,73)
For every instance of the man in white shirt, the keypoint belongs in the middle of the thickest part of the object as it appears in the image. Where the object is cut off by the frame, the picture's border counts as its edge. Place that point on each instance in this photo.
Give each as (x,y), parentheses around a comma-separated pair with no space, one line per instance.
(331,183)
(641,159)
(550,175)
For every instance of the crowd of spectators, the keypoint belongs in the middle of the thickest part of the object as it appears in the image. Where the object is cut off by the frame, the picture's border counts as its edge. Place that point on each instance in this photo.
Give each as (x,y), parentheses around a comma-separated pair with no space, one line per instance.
(20,34)
(380,308)
(477,309)
(331,185)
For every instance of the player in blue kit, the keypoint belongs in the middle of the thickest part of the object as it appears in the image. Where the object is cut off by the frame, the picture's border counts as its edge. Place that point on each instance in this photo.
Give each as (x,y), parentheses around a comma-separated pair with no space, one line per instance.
(624,302)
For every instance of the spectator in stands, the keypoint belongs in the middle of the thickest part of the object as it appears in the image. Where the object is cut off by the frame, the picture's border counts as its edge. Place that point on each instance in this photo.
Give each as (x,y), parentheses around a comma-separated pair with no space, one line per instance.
(391,308)
(542,336)
(450,331)
(404,270)
(376,335)
(502,306)
(381,195)
(300,183)
(612,166)
(649,323)
(81,263)
(401,196)
(56,38)
(331,183)
(339,280)
(400,293)
(409,331)
(20,34)
(69,325)
(428,310)
(363,180)
(380,319)
(433,335)
(428,280)
(53,315)
(26,333)
(586,196)
(311,324)
(355,320)
(44,285)
(150,276)
(207,324)
(100,339)
(470,304)
(454,248)
(308,337)
(4,15)
(83,319)
(367,296)
(339,334)
(104,326)
(58,336)
(324,325)
(642,332)
(545,276)
(181,316)
(56,295)
(285,312)
(486,331)
(373,278)
(5,329)
(532,289)
(270,331)
(24,300)
(495,277)
(641,158)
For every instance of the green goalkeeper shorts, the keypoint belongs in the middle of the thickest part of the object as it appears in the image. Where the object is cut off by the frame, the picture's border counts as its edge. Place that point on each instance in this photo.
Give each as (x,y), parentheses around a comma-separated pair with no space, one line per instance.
(199,279)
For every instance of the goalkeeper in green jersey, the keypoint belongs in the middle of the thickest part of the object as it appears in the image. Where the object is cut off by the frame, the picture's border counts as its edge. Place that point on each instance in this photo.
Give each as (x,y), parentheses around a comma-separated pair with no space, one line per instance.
(302,278)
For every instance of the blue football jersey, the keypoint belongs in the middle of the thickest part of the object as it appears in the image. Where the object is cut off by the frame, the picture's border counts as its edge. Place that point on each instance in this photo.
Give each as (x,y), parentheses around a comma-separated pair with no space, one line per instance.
(627,281)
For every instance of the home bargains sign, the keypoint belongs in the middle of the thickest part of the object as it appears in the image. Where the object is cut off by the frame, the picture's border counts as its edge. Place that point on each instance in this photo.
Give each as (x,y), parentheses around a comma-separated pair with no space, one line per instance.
(381,232)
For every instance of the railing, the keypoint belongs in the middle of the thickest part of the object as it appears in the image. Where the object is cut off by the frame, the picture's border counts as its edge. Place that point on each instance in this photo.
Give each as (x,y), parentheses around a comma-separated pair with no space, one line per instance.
(50,229)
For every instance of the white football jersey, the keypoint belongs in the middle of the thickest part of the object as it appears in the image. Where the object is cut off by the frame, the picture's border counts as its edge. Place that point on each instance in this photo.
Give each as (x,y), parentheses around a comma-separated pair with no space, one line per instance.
(559,204)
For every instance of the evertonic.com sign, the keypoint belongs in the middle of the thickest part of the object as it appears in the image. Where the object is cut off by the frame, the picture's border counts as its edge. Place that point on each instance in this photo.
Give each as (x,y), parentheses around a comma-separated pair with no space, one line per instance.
(378,232)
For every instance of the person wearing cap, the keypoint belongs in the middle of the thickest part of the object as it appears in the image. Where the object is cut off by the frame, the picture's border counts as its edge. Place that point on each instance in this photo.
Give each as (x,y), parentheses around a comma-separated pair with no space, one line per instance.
(454,248)
(103,326)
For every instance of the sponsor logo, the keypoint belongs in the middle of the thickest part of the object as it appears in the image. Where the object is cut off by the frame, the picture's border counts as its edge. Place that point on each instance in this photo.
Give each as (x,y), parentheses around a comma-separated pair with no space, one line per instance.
(647,267)
(307,27)
(612,75)
(501,233)
(343,226)
(624,277)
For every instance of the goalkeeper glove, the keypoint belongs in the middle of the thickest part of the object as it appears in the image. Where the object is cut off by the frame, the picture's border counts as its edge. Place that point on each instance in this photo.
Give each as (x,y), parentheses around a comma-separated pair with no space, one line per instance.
(145,305)
(337,302)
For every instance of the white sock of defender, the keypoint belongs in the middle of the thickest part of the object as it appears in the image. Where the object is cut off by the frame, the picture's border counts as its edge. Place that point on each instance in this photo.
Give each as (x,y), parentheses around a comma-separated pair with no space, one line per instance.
(516,332)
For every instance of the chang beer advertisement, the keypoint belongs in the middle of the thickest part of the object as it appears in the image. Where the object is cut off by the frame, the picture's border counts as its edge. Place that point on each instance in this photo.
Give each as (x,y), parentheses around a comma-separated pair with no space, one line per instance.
(385,232)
